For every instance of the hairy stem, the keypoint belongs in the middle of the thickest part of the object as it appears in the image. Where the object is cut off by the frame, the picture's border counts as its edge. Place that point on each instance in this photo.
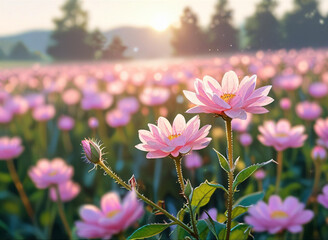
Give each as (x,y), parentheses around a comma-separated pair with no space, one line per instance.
(62,213)
(20,189)
(142,197)
(279,171)
(182,186)
(230,175)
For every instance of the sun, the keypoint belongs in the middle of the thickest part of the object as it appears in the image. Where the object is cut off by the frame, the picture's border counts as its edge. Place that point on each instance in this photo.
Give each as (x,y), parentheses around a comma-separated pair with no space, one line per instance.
(160,23)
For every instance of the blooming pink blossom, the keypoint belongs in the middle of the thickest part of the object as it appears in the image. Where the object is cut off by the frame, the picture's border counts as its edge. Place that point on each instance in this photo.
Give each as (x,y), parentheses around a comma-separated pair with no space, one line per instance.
(17,105)
(44,112)
(112,218)
(5,115)
(281,135)
(153,96)
(278,215)
(321,129)
(10,148)
(96,101)
(71,96)
(288,81)
(241,125)
(308,110)
(47,173)
(245,139)
(128,105)
(323,198)
(66,123)
(180,138)
(260,174)
(318,90)
(193,160)
(117,118)
(93,123)
(319,153)
(285,103)
(67,191)
(233,99)
(35,99)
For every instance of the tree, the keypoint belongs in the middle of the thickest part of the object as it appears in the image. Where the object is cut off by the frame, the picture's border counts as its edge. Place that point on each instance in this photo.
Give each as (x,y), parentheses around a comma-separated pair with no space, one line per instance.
(263,30)
(97,41)
(222,35)
(2,55)
(20,52)
(115,49)
(305,26)
(70,38)
(188,39)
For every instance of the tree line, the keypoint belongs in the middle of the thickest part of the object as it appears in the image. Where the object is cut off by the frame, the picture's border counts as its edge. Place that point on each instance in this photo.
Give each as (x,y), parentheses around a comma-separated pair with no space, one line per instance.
(19,52)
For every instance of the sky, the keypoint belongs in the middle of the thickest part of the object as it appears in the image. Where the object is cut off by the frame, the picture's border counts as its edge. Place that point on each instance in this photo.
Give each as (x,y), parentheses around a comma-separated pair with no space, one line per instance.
(18,16)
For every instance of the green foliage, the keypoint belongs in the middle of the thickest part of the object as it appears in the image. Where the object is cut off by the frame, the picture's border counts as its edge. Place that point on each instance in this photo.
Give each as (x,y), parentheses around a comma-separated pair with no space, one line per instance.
(216,185)
(249,199)
(223,161)
(20,52)
(202,195)
(247,172)
(237,211)
(148,230)
(115,49)
(188,191)
(214,226)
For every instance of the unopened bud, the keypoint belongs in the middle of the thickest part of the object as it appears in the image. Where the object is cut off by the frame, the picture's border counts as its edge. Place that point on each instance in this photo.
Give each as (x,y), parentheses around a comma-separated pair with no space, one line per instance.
(318,153)
(91,150)
(133,182)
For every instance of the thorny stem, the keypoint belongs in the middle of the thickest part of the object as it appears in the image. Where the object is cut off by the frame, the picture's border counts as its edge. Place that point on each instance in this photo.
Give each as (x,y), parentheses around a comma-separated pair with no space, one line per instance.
(177,162)
(279,170)
(62,213)
(230,175)
(142,197)
(20,189)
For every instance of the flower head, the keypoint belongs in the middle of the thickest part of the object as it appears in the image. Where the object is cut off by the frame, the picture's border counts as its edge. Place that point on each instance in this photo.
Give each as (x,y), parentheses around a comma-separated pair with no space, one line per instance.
(44,112)
(47,173)
(67,191)
(323,198)
(278,215)
(319,153)
(321,129)
(193,160)
(281,135)
(308,110)
(117,118)
(232,98)
(113,217)
(66,123)
(92,150)
(180,138)
(10,148)
(93,123)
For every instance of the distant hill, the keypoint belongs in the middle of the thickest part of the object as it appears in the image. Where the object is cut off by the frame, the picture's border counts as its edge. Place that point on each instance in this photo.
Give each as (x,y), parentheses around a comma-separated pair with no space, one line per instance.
(142,42)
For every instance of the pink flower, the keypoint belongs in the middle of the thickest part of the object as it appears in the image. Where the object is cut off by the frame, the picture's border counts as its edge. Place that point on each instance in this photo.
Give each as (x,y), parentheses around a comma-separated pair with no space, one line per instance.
(323,198)
(321,129)
(128,105)
(117,118)
(35,99)
(10,148)
(259,174)
(67,191)
(285,103)
(288,81)
(318,90)
(93,123)
(180,138)
(92,150)
(5,115)
(44,112)
(278,215)
(153,96)
(96,101)
(71,96)
(113,217)
(318,153)
(241,125)
(245,139)
(231,99)
(17,105)
(281,135)
(193,160)
(66,123)
(47,173)
(308,110)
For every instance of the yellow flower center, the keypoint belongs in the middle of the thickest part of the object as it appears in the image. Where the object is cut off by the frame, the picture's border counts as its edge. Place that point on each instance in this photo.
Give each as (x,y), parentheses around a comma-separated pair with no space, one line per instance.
(112,213)
(278,214)
(52,173)
(173,136)
(281,135)
(227,96)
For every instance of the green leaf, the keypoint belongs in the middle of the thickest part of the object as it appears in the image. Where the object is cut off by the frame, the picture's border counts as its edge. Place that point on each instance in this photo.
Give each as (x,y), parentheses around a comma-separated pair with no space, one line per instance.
(237,211)
(247,172)
(216,185)
(202,229)
(149,230)
(214,226)
(240,232)
(188,191)
(250,199)
(202,195)
(223,161)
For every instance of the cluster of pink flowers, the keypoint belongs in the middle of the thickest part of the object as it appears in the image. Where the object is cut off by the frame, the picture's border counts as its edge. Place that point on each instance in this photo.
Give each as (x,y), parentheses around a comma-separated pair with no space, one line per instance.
(10,148)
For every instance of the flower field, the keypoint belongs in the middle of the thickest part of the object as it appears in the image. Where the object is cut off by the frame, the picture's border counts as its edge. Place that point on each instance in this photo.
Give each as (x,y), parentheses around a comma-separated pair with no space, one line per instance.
(207,148)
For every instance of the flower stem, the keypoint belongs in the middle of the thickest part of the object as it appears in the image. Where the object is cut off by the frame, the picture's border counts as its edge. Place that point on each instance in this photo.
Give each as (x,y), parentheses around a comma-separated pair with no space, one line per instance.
(317,174)
(142,197)
(279,170)
(177,162)
(20,189)
(62,213)
(230,175)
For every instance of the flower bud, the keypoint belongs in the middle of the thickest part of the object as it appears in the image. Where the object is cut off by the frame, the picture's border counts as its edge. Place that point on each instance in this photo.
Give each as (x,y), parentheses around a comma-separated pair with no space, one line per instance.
(91,150)
(245,139)
(260,174)
(318,153)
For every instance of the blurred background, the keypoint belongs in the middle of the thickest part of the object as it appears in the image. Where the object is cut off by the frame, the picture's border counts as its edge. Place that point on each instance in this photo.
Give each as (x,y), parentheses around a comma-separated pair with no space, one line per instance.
(59,30)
